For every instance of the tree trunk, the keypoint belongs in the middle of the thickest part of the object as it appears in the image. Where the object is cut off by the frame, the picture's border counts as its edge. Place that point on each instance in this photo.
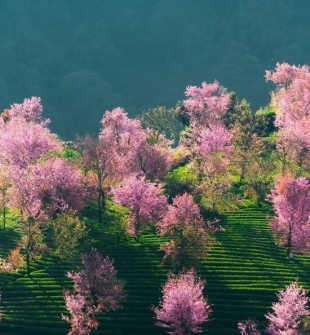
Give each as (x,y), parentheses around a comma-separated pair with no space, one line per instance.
(289,241)
(182,248)
(137,228)
(101,197)
(3,205)
(29,244)
(99,207)
(4,216)
(28,262)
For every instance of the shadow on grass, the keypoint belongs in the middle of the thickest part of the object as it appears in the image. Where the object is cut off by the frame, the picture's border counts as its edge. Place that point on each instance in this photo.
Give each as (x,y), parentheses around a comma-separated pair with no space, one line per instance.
(9,239)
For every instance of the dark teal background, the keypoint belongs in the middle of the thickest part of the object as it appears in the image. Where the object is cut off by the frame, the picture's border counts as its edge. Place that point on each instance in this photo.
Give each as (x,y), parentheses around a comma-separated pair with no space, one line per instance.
(86,56)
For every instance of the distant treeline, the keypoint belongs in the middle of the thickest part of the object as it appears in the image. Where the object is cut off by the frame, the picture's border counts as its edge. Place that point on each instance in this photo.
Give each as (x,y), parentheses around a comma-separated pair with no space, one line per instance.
(85,57)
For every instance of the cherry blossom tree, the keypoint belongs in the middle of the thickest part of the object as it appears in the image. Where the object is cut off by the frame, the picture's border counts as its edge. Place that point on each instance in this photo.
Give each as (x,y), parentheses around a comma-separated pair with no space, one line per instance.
(211,161)
(206,107)
(41,191)
(82,315)
(209,141)
(122,149)
(288,311)
(191,236)
(144,200)
(183,308)
(96,289)
(248,327)
(291,202)
(292,102)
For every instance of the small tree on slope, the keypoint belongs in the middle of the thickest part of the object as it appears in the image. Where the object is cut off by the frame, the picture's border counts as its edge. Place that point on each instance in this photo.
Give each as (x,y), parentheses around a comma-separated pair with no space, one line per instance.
(183,308)
(248,327)
(96,289)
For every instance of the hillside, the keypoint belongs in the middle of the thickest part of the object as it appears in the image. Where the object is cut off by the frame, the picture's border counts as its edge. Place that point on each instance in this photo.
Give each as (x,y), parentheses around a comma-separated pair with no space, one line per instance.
(243,272)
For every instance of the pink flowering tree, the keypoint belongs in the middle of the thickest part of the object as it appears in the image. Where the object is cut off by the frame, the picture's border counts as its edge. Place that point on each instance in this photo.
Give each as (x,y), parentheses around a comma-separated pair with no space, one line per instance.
(183,308)
(212,161)
(96,289)
(42,191)
(206,107)
(248,327)
(209,141)
(293,121)
(292,102)
(121,149)
(40,186)
(82,315)
(288,311)
(291,202)
(144,200)
(190,234)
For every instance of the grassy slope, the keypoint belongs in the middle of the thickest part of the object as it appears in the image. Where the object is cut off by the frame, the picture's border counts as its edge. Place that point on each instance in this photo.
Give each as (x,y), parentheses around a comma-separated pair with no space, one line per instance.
(243,273)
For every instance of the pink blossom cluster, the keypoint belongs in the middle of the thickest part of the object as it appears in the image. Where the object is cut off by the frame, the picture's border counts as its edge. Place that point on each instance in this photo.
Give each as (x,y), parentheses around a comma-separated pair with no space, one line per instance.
(183,308)
(287,312)
(30,110)
(45,188)
(183,213)
(284,74)
(215,139)
(206,105)
(24,137)
(126,147)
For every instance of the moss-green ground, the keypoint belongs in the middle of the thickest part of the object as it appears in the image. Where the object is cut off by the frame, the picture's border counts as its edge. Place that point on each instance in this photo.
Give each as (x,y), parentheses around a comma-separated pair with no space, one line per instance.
(243,272)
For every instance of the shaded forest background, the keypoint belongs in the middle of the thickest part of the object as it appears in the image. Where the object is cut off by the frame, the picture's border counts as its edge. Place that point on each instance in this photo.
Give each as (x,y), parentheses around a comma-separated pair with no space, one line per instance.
(84,57)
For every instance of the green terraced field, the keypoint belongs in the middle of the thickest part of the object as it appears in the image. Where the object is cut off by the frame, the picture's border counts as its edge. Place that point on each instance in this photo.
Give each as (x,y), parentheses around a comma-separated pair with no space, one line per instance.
(243,272)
